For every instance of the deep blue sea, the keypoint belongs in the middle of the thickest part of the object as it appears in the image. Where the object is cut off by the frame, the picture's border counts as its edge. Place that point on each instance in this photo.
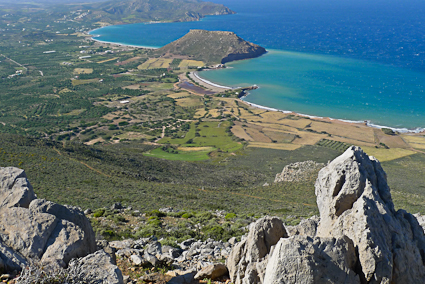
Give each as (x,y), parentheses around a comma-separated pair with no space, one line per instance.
(346,59)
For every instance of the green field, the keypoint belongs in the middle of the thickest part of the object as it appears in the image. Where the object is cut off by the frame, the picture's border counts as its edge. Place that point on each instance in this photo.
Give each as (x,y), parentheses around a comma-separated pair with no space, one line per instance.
(180,155)
(208,134)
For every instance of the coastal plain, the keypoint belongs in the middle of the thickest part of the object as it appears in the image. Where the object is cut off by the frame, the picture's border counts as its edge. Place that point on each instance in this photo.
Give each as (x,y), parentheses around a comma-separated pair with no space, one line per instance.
(130,125)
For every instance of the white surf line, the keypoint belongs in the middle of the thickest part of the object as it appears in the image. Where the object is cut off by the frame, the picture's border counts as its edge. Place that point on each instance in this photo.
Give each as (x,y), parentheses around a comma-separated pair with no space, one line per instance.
(210,83)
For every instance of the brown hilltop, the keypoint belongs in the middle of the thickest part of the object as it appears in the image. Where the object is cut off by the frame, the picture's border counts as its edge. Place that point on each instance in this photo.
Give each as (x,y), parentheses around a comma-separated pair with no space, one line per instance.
(213,47)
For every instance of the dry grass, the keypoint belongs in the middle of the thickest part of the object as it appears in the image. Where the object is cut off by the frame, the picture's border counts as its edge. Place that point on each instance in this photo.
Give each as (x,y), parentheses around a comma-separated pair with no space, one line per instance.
(281,137)
(257,135)
(277,146)
(352,131)
(65,90)
(155,63)
(91,142)
(83,71)
(187,63)
(239,132)
(417,142)
(392,141)
(132,87)
(384,155)
(107,60)
(189,102)
(307,138)
(200,113)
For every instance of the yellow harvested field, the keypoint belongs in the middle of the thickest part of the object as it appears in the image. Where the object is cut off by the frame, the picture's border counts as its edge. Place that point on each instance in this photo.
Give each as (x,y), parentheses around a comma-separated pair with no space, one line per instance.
(417,142)
(200,113)
(297,123)
(83,70)
(179,95)
(384,155)
(307,138)
(189,102)
(279,136)
(214,112)
(194,63)
(352,131)
(392,141)
(190,149)
(257,135)
(107,60)
(155,63)
(277,146)
(239,132)
(273,116)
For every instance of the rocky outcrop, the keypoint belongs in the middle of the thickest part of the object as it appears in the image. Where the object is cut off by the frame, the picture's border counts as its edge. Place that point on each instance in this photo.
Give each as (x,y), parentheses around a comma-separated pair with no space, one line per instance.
(303,260)
(248,259)
(213,47)
(39,231)
(354,200)
(298,171)
(359,238)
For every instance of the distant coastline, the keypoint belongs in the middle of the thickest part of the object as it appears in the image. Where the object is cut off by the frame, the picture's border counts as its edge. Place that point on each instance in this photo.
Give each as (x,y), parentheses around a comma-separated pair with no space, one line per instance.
(244,99)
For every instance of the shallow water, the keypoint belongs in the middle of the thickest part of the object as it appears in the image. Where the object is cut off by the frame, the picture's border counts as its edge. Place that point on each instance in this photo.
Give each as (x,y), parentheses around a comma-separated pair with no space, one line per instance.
(353,60)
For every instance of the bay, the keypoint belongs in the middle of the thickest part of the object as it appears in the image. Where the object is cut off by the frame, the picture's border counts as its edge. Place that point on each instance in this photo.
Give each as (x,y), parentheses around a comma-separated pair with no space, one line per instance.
(352,60)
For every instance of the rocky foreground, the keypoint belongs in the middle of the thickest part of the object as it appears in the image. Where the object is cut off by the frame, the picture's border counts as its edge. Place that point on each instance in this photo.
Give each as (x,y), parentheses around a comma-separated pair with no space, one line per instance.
(358,238)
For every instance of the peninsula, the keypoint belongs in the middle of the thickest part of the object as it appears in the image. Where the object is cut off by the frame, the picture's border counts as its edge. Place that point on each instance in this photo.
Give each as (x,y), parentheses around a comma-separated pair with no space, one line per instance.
(212,47)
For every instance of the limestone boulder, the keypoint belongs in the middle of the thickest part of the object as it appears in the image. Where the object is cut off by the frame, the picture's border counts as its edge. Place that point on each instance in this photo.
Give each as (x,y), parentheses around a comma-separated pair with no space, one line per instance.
(15,189)
(303,260)
(354,200)
(248,259)
(99,268)
(35,229)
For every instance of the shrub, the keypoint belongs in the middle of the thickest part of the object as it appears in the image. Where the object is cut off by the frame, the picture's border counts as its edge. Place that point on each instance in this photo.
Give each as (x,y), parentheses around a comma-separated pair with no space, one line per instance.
(230,216)
(99,213)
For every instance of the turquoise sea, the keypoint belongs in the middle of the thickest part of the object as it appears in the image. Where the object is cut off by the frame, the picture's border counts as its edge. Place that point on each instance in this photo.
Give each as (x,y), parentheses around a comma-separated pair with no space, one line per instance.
(351,60)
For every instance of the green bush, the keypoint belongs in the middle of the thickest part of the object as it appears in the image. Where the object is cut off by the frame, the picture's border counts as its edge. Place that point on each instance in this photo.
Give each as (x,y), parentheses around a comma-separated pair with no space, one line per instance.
(99,213)
(230,216)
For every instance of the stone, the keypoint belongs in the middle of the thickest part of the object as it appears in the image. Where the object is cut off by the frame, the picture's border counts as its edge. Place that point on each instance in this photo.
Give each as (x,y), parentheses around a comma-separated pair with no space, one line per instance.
(304,260)
(69,213)
(298,171)
(354,200)
(117,206)
(15,189)
(88,211)
(212,272)
(99,268)
(35,229)
(246,263)
(25,232)
(137,260)
(2,266)
(307,227)
(421,219)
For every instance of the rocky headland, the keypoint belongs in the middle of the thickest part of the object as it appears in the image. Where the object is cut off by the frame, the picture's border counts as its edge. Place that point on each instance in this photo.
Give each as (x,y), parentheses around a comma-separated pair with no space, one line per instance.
(358,238)
(212,47)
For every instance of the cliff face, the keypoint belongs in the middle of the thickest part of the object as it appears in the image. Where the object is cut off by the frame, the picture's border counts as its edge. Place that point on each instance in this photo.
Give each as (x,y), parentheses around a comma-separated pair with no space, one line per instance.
(213,47)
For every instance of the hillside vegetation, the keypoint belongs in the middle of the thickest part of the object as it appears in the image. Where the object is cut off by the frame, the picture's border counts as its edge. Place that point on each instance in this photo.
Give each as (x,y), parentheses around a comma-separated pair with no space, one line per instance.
(213,47)
(135,11)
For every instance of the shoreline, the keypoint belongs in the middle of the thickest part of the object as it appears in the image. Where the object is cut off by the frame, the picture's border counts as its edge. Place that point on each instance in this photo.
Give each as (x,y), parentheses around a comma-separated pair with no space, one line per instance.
(212,85)
(367,123)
